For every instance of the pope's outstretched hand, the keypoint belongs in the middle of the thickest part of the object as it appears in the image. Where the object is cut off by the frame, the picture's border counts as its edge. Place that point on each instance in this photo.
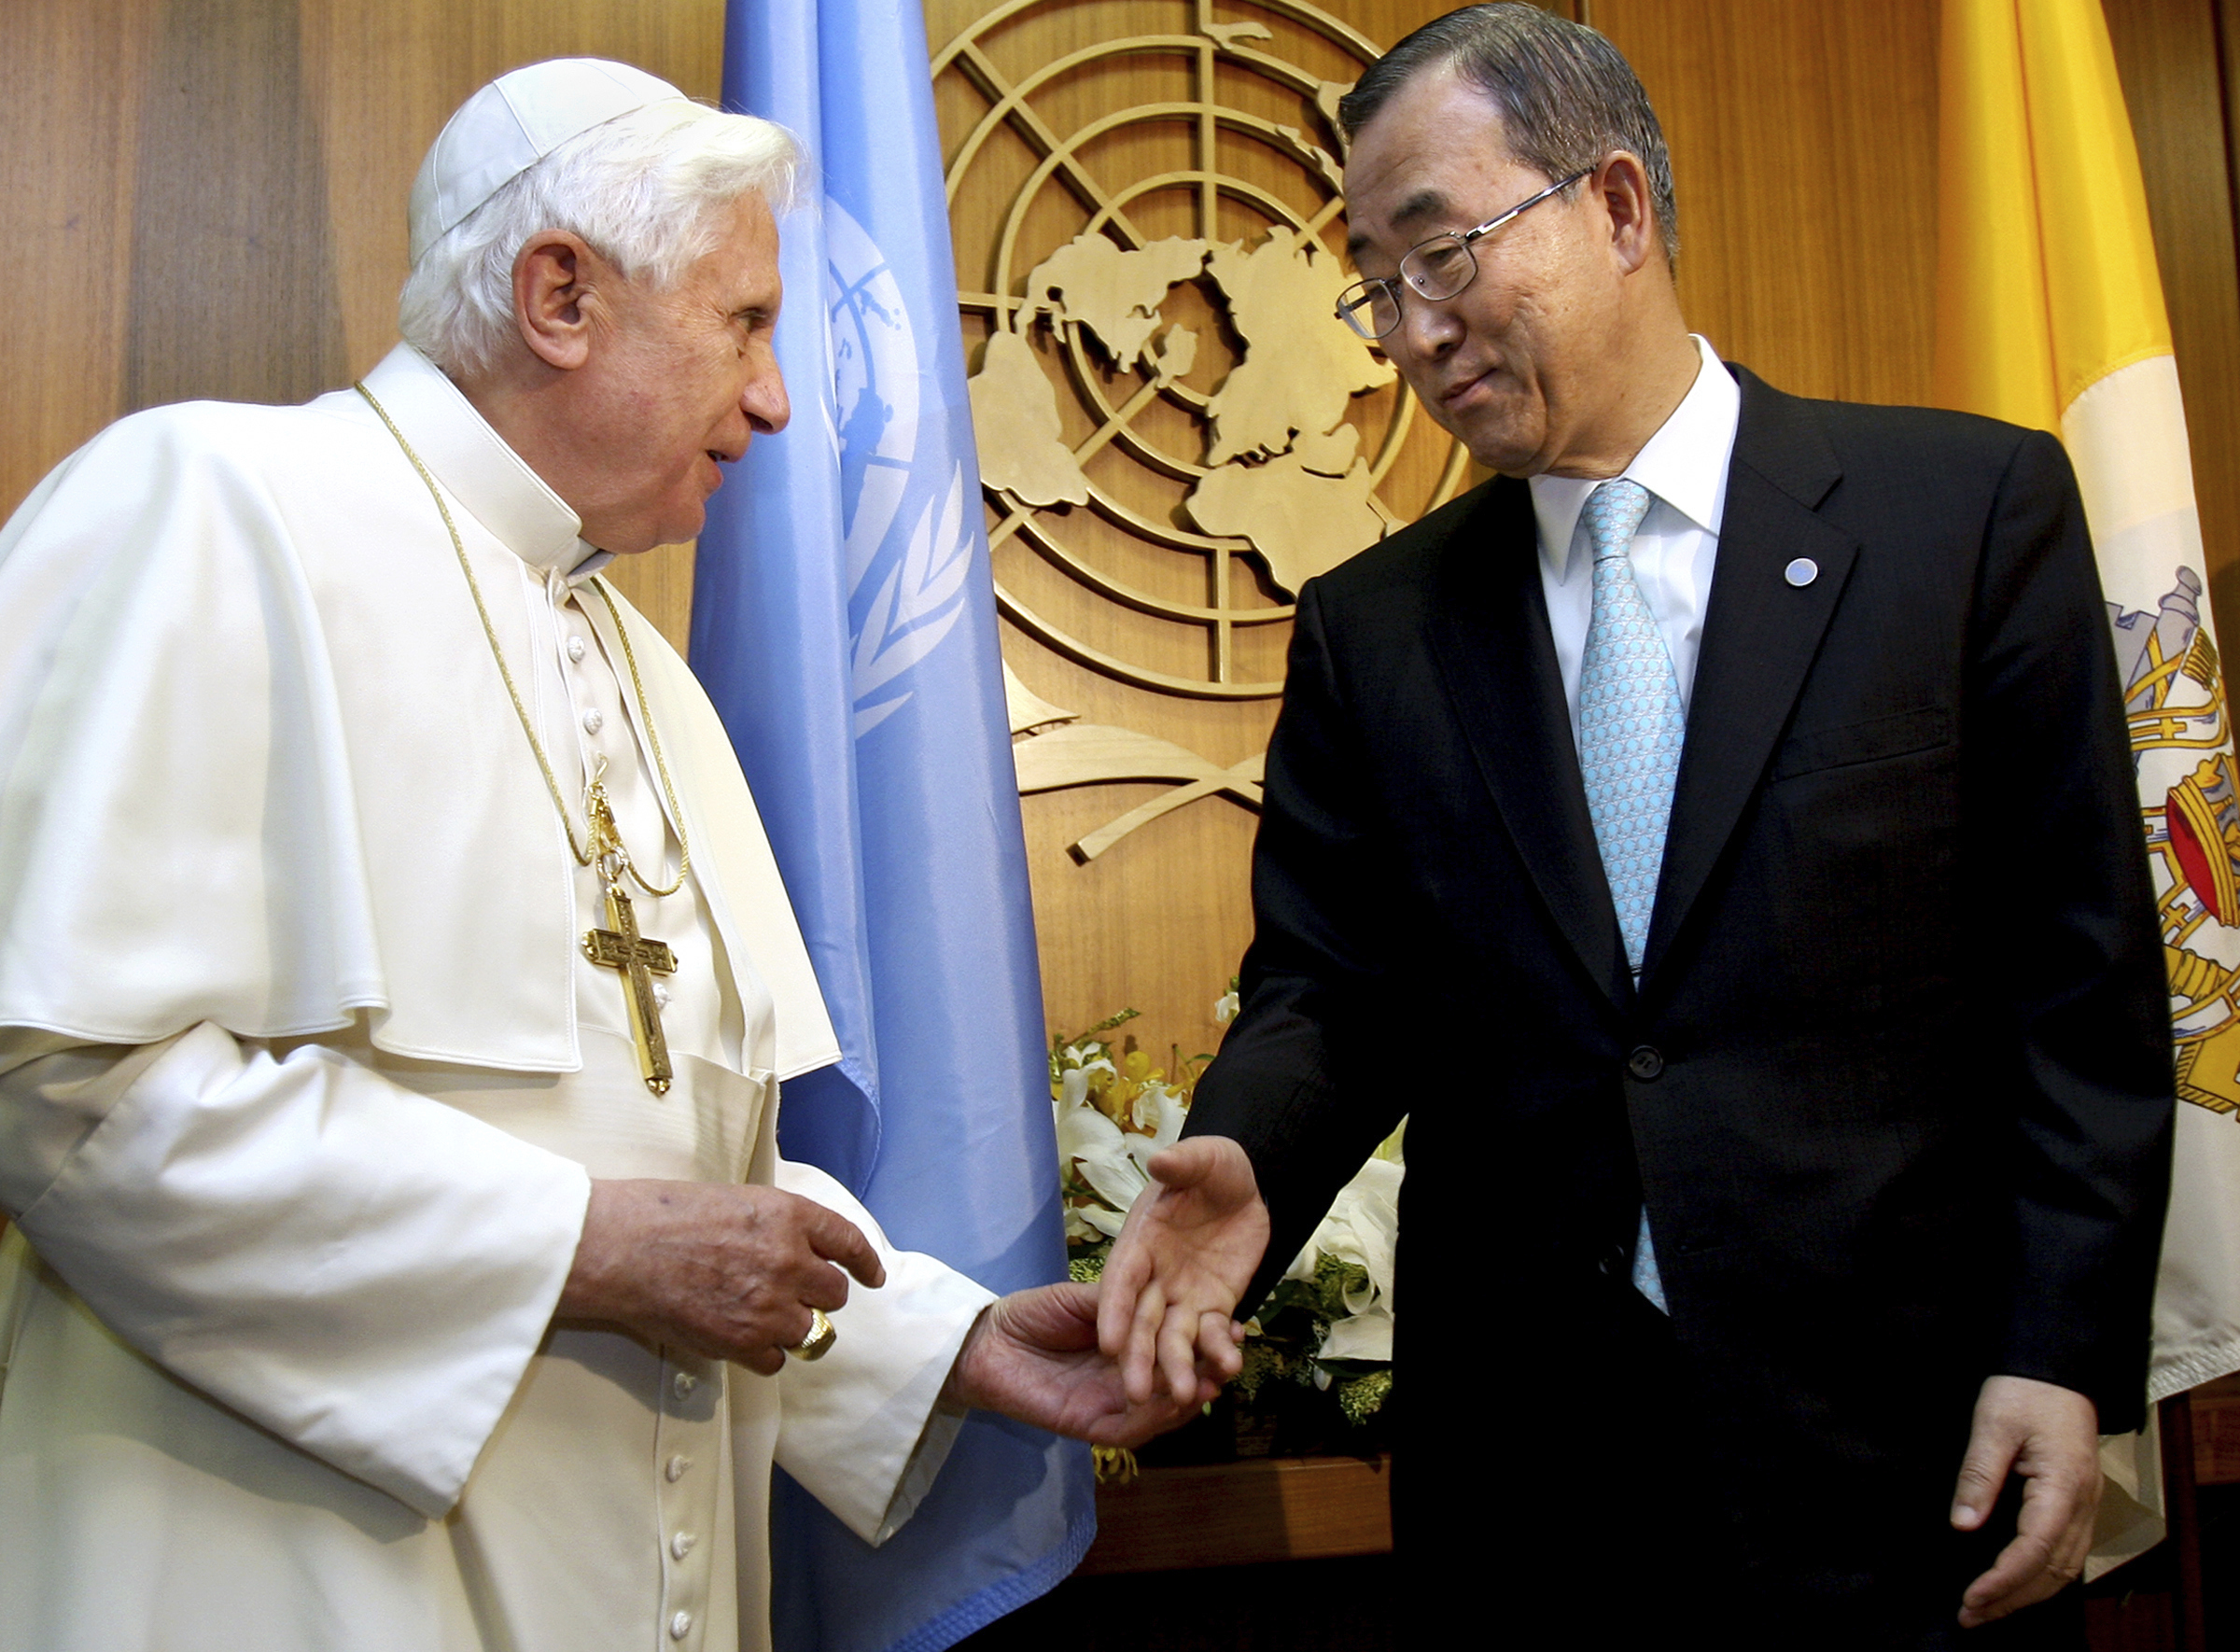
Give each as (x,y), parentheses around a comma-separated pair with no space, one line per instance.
(1033,1356)
(1169,1293)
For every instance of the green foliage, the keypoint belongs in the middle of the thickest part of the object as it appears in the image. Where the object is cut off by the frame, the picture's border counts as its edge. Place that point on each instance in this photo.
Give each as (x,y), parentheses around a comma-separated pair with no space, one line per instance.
(1333,1280)
(1359,1398)
(1264,1362)
(1087,1041)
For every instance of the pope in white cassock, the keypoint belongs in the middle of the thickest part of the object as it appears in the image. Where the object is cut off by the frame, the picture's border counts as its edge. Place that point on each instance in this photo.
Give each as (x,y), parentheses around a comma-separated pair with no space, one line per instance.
(395,984)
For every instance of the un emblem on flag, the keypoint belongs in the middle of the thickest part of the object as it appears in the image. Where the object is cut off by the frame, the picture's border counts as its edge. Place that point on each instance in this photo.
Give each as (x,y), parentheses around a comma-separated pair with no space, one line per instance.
(909,543)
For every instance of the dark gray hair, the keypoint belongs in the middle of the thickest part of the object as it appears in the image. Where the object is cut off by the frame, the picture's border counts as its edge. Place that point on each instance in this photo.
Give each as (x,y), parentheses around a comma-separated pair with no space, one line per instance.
(1566,95)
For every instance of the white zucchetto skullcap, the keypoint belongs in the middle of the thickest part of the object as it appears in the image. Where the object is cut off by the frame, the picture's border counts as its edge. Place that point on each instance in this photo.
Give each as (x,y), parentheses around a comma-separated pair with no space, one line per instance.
(513,123)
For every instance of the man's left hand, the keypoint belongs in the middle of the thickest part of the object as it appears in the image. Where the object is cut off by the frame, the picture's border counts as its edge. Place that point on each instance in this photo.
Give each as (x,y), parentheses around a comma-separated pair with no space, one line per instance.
(1033,1356)
(2050,1436)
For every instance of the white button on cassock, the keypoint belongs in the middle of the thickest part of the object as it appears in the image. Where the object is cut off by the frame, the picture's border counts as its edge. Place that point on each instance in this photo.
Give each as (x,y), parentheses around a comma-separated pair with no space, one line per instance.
(592,723)
(681,1625)
(678,1464)
(682,1384)
(681,1544)
(575,649)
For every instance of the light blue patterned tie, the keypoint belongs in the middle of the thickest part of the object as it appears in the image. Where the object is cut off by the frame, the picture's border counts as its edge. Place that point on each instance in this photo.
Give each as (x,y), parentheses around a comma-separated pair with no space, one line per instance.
(1630,730)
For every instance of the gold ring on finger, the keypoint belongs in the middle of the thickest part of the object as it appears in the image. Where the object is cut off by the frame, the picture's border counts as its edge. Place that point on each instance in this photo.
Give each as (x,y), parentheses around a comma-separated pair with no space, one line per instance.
(819,1340)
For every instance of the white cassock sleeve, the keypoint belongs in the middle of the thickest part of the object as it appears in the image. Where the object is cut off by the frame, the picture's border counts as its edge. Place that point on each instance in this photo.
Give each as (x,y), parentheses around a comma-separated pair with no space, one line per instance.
(359,1269)
(862,1429)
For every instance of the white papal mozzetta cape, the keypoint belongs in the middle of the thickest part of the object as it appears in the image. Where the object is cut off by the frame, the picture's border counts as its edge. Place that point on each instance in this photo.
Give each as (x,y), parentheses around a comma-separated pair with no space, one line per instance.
(303,1076)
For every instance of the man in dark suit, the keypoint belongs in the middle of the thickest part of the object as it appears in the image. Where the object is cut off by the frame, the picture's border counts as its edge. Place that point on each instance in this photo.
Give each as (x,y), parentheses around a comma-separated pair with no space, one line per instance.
(1716,835)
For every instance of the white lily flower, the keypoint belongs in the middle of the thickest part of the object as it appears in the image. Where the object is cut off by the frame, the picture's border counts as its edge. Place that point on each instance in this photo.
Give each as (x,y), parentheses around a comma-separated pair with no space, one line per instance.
(1072,1092)
(1077,1058)
(1159,1113)
(1139,1150)
(1073,1089)
(1107,1223)
(1104,1152)
(1078,1225)
(1363,1228)
(1224,1009)
(1362,1336)
(1080,1128)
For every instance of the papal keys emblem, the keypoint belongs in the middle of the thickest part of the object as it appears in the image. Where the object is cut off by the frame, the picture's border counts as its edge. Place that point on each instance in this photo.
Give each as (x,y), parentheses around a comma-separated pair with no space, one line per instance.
(2175,702)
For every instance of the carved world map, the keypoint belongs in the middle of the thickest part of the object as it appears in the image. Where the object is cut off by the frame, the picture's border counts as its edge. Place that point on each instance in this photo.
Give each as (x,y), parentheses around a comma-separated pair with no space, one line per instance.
(1284,466)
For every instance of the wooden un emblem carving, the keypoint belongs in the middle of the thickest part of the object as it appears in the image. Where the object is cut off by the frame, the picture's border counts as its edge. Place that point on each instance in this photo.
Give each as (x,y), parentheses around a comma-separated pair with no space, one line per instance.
(1175,430)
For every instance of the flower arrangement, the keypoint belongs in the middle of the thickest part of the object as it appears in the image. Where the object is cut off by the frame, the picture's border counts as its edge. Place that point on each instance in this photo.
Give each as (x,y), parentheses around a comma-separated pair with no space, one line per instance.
(1327,1328)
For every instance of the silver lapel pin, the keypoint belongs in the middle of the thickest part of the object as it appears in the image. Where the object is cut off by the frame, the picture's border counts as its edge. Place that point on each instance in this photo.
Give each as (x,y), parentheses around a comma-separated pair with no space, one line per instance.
(1801,572)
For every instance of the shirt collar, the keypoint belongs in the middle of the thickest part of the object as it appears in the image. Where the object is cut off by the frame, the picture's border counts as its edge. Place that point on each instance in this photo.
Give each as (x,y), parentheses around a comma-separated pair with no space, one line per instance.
(478,469)
(1683,464)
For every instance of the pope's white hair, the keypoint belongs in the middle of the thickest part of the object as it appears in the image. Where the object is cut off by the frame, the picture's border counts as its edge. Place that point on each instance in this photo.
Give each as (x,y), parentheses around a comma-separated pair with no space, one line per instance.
(646,189)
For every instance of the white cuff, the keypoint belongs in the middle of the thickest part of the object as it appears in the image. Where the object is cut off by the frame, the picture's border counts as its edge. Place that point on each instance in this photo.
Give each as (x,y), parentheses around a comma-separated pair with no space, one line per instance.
(862,1429)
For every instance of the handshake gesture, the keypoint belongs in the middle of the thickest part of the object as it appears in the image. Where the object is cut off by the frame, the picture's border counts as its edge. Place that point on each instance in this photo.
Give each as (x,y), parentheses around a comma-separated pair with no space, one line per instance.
(734,1272)
(1141,1350)
(1167,1311)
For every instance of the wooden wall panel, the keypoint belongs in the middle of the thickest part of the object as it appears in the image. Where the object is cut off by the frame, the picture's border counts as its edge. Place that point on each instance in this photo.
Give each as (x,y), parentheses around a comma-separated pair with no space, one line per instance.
(207,196)
(228,243)
(1804,156)
(71,77)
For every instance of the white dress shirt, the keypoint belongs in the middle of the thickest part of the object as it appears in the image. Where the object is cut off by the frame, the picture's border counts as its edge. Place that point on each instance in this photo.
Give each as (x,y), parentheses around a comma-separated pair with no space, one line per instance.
(1684,466)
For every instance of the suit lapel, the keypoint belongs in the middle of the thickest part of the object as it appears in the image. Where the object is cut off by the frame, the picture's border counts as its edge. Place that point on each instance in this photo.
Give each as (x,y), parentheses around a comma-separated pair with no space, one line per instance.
(1760,634)
(1490,638)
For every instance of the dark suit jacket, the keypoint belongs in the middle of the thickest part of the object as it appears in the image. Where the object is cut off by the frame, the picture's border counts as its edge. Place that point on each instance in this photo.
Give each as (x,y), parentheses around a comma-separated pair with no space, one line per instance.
(1896,1082)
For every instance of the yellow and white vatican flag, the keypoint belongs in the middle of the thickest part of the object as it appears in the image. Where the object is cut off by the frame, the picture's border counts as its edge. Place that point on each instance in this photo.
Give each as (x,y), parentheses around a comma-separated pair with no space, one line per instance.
(2049,312)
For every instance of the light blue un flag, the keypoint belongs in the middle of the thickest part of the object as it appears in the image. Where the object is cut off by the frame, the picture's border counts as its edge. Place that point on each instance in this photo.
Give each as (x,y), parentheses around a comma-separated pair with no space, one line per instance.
(844,622)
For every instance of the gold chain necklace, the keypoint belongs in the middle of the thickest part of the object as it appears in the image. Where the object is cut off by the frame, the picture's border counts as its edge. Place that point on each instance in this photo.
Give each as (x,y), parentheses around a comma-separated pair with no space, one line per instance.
(603,845)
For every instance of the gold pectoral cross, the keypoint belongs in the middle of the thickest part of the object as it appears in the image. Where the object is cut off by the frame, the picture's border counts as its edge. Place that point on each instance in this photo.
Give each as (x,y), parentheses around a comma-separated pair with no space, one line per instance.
(620,946)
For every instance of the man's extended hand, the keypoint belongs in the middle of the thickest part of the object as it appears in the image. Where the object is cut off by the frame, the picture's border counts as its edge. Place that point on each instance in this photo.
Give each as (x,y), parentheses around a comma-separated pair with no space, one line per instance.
(2050,1436)
(1033,1356)
(1170,1286)
(731,1272)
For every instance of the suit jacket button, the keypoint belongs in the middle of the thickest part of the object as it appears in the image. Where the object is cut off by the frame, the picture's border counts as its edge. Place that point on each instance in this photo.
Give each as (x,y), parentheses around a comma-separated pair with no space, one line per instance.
(1645,1062)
